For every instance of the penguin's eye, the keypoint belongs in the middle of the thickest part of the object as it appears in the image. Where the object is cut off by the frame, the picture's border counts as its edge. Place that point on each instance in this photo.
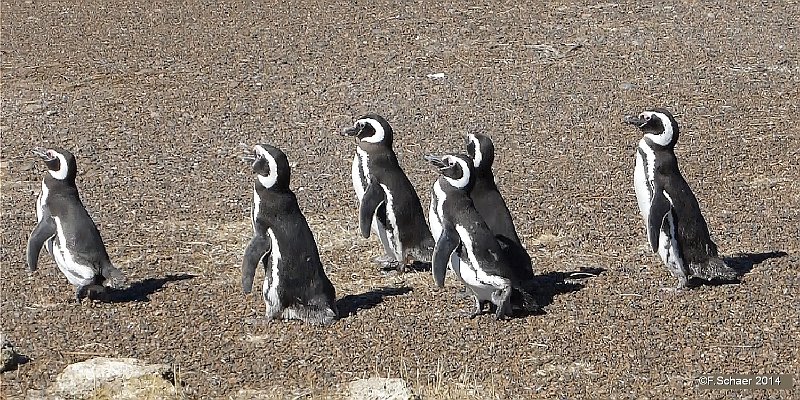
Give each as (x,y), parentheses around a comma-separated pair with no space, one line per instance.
(645,116)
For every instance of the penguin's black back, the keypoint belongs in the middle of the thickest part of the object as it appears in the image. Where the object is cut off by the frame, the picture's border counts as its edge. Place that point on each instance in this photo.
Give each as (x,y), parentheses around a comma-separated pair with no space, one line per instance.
(82,236)
(280,212)
(385,168)
(459,209)
(692,230)
(492,207)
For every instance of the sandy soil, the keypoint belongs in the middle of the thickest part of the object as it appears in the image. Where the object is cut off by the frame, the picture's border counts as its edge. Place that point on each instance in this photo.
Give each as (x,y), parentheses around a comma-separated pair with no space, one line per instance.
(155,98)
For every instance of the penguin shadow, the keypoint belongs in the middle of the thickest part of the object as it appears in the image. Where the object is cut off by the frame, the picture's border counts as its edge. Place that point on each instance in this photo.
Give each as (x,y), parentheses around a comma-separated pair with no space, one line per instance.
(743,263)
(548,286)
(141,290)
(353,303)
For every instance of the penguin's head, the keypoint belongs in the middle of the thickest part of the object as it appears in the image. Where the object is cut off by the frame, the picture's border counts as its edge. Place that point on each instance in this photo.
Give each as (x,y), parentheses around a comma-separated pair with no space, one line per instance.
(60,163)
(371,128)
(456,169)
(481,149)
(270,165)
(658,125)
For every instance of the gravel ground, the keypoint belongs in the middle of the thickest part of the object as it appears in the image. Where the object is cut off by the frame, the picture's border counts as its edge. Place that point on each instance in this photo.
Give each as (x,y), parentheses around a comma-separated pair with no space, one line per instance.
(154,99)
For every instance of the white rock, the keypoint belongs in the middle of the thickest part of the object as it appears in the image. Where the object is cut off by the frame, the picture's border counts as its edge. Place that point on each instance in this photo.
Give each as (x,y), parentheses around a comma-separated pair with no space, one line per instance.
(113,378)
(381,389)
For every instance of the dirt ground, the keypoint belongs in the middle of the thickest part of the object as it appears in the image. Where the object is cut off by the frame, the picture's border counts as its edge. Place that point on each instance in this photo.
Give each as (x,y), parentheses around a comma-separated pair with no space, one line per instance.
(154,100)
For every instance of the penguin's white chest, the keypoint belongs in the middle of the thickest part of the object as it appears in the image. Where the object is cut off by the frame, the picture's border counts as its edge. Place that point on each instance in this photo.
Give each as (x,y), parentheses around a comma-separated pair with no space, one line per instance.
(77,273)
(360,172)
(471,272)
(272,281)
(643,178)
(256,209)
(40,202)
(436,212)
(392,231)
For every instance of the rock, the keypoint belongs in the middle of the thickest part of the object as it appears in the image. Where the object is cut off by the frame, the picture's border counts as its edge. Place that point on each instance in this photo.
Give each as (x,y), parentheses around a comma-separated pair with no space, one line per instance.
(381,388)
(8,356)
(111,378)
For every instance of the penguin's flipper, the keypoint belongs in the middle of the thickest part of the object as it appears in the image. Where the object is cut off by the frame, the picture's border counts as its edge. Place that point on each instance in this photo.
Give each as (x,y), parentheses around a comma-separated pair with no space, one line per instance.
(446,245)
(659,208)
(258,248)
(44,230)
(373,198)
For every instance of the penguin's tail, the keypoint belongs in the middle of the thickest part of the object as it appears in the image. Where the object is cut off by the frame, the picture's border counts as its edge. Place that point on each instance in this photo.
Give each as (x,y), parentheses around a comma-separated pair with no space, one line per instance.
(113,276)
(712,269)
(312,314)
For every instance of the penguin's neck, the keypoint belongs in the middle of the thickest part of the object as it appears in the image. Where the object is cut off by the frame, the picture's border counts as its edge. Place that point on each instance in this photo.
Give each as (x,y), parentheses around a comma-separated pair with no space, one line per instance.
(60,184)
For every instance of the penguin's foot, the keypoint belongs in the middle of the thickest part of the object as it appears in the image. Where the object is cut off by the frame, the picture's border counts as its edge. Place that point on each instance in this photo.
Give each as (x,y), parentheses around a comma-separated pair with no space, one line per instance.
(393,266)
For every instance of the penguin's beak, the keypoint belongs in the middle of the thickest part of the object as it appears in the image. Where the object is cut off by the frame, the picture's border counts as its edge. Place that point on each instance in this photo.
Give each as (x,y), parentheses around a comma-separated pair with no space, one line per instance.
(634,120)
(43,153)
(352,131)
(436,161)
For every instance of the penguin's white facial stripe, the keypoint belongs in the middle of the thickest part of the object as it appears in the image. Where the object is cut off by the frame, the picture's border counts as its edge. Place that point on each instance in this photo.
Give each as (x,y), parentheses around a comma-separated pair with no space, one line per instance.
(665,137)
(63,168)
(269,180)
(476,160)
(379,134)
(464,180)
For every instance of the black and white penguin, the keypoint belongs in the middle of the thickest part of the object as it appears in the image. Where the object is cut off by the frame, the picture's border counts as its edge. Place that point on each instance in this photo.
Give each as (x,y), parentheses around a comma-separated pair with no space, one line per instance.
(482,266)
(295,284)
(67,231)
(388,203)
(491,205)
(675,226)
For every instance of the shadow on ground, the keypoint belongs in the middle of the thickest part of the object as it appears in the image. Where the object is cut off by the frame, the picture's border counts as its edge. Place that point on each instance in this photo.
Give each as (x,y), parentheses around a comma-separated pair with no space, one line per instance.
(744,262)
(353,303)
(552,284)
(140,291)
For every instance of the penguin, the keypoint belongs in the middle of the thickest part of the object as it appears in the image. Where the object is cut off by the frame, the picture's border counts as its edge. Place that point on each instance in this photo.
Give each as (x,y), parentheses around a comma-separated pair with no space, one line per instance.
(482,266)
(491,205)
(65,228)
(295,285)
(388,203)
(675,227)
